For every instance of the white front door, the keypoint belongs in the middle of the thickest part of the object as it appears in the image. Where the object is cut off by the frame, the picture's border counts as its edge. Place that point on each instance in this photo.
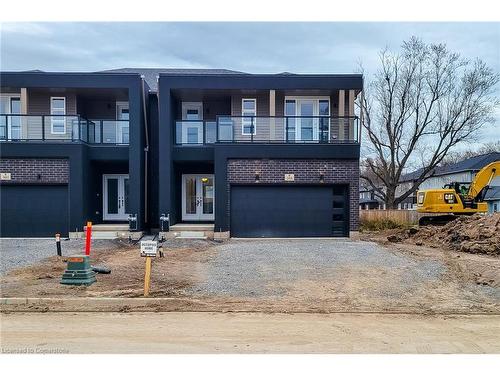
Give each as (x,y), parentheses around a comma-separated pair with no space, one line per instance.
(115,196)
(122,123)
(198,197)
(307,126)
(192,122)
(304,123)
(10,105)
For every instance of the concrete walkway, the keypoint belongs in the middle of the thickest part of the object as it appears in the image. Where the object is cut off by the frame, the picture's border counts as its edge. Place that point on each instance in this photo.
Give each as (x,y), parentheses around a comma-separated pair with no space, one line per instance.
(247,333)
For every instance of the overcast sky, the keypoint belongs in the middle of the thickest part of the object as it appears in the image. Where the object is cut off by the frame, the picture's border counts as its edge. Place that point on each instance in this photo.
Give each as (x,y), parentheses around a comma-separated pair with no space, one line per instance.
(248,47)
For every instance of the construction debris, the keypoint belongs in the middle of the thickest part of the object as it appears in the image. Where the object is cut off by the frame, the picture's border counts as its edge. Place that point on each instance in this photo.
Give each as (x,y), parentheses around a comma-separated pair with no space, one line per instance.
(472,234)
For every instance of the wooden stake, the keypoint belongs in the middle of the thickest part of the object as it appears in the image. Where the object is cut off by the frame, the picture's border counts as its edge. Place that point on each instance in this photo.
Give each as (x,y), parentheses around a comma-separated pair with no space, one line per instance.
(147,277)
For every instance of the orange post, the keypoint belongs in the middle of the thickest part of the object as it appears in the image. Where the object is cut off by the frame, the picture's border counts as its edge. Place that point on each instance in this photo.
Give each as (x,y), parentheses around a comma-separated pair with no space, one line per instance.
(88,238)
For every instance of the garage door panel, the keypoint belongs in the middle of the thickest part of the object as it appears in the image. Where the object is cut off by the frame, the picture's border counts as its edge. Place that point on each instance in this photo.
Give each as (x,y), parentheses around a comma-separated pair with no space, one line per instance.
(285,211)
(34,210)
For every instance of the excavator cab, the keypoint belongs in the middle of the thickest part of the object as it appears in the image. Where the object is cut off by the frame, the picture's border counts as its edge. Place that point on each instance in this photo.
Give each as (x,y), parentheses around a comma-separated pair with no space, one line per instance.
(462,188)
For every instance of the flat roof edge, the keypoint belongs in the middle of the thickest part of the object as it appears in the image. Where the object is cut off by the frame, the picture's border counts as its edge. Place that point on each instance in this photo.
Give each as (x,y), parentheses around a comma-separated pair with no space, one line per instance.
(250,75)
(72,73)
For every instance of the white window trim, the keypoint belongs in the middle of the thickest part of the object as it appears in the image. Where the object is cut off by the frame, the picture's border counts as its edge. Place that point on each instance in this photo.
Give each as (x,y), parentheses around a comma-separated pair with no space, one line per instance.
(307,97)
(52,118)
(192,105)
(120,105)
(9,97)
(254,115)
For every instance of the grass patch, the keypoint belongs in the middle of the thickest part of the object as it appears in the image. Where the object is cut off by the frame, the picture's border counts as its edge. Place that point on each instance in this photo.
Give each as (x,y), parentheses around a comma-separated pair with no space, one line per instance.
(381,224)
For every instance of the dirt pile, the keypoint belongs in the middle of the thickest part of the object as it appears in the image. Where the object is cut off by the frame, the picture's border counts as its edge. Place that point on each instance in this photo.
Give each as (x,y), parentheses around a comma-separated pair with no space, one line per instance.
(472,234)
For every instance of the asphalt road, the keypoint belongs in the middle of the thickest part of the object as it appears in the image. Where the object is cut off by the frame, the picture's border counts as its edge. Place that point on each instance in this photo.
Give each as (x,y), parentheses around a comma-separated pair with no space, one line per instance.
(247,333)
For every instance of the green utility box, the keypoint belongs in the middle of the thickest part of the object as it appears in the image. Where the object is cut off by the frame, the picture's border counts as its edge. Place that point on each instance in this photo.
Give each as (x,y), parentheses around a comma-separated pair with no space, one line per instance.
(78,272)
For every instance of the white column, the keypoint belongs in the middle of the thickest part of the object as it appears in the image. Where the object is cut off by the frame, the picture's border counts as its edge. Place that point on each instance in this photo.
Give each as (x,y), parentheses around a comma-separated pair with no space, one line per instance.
(341,113)
(24,111)
(351,113)
(272,112)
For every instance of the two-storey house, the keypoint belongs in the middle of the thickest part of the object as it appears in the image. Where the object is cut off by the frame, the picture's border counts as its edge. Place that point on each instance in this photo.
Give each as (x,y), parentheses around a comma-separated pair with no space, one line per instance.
(235,154)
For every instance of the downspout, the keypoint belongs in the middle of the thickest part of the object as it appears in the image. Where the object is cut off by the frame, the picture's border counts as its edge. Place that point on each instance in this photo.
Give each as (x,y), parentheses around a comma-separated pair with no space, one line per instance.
(146,151)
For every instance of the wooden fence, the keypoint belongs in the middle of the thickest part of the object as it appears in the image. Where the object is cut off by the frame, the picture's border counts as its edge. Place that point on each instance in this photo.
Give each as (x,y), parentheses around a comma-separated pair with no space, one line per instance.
(398,216)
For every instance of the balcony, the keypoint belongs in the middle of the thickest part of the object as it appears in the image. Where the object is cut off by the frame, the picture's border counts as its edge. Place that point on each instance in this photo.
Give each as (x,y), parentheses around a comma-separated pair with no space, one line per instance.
(195,132)
(270,129)
(63,128)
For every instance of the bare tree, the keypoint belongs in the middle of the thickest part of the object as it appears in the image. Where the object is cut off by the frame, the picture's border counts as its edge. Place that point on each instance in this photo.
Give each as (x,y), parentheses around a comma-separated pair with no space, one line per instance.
(422,102)
(457,156)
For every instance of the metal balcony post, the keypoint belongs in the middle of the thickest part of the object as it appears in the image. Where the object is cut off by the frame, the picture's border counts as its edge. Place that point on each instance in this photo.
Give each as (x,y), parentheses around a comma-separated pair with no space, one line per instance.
(204,127)
(217,129)
(251,129)
(43,128)
(101,131)
(7,126)
(286,129)
(88,131)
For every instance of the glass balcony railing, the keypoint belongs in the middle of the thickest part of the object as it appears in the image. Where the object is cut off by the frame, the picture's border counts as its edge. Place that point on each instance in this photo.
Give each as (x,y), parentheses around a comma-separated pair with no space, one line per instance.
(259,129)
(110,131)
(195,132)
(69,128)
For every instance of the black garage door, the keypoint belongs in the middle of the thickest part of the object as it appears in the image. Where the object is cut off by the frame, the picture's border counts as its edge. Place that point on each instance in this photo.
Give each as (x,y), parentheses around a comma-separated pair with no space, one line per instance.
(34,210)
(289,211)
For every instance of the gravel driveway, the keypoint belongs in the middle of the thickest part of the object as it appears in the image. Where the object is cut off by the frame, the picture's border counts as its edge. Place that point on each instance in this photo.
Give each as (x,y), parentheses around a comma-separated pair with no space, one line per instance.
(21,252)
(337,274)
(253,267)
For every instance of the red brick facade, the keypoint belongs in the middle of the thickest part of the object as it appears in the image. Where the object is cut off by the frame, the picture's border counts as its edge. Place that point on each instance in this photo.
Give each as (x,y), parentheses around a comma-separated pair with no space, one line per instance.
(306,171)
(36,171)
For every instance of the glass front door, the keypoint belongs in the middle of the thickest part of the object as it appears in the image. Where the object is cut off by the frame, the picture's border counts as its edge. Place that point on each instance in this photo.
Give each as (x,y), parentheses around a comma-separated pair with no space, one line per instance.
(307,129)
(306,122)
(198,197)
(10,126)
(192,126)
(122,123)
(116,197)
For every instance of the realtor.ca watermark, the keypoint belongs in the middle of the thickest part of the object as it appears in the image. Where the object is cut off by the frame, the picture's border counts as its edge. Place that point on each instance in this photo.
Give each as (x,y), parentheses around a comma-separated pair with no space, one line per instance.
(34,351)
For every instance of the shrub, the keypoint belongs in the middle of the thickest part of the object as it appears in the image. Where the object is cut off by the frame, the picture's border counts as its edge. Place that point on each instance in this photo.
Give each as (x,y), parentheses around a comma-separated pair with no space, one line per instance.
(381,224)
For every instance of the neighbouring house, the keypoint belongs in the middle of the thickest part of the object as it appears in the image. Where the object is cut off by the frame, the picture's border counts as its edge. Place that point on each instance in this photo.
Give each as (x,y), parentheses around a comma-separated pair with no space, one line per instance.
(463,171)
(368,200)
(492,197)
(194,152)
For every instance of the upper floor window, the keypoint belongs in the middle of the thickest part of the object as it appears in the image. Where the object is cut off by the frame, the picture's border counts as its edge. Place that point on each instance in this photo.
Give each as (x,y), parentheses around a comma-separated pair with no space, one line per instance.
(122,111)
(58,113)
(10,126)
(248,111)
(308,118)
(192,111)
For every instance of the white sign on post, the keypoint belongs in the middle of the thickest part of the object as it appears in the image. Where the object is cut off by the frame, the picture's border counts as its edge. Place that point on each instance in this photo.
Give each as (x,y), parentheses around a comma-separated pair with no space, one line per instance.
(149,248)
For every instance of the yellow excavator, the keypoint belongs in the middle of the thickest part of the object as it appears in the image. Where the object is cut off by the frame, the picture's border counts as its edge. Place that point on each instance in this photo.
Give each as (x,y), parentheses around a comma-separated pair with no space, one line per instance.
(457,198)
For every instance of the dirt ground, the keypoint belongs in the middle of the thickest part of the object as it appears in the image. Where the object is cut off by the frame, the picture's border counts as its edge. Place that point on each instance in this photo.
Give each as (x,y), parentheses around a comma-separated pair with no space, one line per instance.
(476,234)
(286,276)
(247,333)
(480,269)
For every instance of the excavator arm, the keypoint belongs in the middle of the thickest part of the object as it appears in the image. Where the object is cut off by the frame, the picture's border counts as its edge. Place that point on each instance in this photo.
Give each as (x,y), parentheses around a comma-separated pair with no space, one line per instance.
(482,180)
